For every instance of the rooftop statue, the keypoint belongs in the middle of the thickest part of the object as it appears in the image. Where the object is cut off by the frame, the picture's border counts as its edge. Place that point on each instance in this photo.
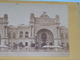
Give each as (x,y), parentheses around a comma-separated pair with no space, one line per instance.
(44,15)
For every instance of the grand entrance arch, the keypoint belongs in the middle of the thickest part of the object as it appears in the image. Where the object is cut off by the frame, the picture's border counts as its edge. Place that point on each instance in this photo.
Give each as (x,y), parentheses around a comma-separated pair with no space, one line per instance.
(45,37)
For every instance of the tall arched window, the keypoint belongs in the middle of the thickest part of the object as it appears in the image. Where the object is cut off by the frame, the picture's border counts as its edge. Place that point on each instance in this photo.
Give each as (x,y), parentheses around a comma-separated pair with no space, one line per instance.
(44,37)
(9,35)
(14,35)
(26,34)
(21,34)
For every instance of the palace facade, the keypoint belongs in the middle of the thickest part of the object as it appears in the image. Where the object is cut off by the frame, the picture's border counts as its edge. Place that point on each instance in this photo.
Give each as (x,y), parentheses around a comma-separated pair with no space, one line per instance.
(42,31)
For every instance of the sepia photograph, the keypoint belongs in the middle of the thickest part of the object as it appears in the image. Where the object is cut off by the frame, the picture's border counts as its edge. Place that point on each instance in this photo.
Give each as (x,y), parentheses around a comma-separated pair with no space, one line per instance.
(28,29)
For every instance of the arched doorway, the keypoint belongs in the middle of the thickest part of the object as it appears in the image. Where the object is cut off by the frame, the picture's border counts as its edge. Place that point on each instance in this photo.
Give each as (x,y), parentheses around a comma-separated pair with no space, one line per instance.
(26,44)
(44,37)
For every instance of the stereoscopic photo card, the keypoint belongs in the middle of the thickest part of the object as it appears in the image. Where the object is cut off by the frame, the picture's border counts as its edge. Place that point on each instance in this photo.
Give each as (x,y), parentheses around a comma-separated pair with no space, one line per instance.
(39,29)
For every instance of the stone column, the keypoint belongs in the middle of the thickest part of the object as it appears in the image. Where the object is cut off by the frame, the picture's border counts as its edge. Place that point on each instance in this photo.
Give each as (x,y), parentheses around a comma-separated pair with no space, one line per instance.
(4,39)
(5,31)
(64,41)
(59,36)
(32,31)
(4,36)
(57,40)
(35,38)
(58,32)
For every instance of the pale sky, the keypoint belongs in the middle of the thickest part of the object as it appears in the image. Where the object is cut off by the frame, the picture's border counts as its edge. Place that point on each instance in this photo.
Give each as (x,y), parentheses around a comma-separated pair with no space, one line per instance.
(20,13)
